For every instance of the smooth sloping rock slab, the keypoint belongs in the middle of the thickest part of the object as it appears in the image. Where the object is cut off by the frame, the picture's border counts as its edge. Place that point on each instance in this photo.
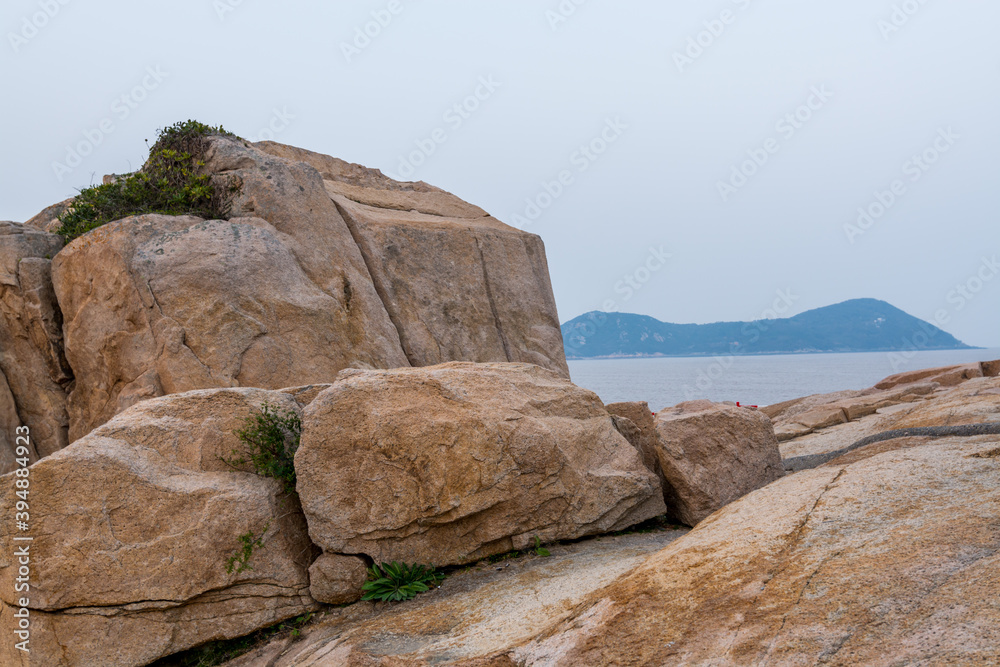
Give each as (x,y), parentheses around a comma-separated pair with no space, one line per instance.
(31,341)
(447,464)
(711,455)
(133,526)
(489,609)
(890,560)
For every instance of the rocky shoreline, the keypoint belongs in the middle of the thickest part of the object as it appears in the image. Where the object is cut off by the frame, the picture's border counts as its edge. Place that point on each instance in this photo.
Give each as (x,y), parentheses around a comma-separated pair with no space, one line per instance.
(396,353)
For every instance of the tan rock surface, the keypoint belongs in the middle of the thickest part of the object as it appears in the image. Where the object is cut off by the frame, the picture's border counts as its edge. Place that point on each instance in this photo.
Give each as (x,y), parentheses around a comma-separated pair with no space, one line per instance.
(646,439)
(463,460)
(335,579)
(31,343)
(195,430)
(890,560)
(975,401)
(158,305)
(287,292)
(948,376)
(711,457)
(498,304)
(48,219)
(136,539)
(9,421)
(475,615)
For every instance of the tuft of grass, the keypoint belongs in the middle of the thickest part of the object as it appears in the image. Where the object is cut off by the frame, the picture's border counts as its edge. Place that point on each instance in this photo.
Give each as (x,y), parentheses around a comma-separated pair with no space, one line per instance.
(395,582)
(272,437)
(240,561)
(170,182)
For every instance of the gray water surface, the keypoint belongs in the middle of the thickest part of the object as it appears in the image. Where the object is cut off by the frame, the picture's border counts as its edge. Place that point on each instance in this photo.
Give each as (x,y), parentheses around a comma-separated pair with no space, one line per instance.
(752,380)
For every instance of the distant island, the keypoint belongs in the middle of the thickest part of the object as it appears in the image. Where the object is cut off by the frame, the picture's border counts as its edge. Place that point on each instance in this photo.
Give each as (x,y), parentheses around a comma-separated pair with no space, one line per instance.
(859,325)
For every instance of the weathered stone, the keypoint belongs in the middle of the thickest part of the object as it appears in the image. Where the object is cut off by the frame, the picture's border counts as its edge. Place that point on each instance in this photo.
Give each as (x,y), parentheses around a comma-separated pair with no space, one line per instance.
(948,376)
(990,369)
(31,344)
(414,237)
(195,430)
(158,305)
(711,457)
(335,579)
(890,560)
(791,431)
(645,440)
(48,219)
(974,401)
(287,292)
(138,525)
(9,421)
(448,464)
(475,617)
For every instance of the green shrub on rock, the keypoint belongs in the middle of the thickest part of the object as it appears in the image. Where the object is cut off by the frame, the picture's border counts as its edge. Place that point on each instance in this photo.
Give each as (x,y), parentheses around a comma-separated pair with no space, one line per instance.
(170,183)
(271,436)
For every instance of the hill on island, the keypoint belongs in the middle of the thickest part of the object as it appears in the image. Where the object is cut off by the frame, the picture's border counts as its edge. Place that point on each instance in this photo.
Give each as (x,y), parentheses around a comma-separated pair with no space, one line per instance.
(859,325)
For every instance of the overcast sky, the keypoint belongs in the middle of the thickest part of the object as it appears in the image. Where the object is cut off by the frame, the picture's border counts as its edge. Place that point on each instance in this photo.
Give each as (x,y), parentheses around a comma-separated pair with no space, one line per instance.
(739,137)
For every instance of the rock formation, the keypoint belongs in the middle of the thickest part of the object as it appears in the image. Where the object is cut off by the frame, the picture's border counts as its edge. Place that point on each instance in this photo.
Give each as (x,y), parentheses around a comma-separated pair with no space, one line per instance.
(324,265)
(448,464)
(712,454)
(133,527)
(890,559)
(31,351)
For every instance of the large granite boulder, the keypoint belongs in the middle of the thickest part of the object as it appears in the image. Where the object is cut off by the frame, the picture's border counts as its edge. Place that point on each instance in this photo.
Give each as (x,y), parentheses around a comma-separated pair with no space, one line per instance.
(712,454)
(322,266)
(889,560)
(31,347)
(448,464)
(133,529)
(498,305)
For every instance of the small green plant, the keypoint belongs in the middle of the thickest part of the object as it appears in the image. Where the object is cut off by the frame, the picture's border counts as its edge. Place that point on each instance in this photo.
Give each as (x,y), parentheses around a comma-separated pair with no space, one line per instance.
(271,436)
(170,182)
(395,582)
(539,549)
(240,561)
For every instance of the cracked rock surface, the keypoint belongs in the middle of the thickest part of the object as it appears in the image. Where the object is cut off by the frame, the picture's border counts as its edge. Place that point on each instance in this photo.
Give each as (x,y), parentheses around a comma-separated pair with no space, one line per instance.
(447,464)
(324,265)
(889,558)
(133,526)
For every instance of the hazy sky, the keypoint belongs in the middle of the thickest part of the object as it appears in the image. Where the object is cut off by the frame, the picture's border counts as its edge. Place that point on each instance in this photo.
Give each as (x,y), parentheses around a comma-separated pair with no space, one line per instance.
(739,137)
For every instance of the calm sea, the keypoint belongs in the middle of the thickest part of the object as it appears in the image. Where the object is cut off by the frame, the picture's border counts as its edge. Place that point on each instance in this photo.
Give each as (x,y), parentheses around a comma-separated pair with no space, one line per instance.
(753,380)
